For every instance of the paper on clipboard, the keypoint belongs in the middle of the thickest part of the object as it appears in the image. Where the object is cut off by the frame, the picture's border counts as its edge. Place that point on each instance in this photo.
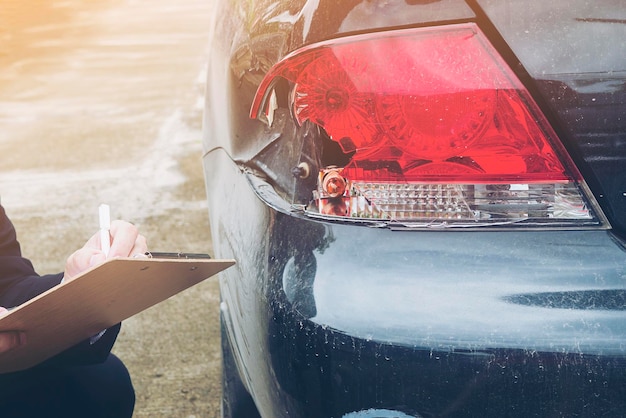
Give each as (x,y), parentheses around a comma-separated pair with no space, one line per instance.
(95,300)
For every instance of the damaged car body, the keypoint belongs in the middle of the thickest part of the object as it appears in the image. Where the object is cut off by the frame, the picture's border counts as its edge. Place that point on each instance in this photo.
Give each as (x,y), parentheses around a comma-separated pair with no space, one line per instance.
(427,205)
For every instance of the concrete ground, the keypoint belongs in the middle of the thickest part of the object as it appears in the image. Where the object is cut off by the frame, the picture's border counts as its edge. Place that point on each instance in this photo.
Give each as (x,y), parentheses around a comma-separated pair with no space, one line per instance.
(100,102)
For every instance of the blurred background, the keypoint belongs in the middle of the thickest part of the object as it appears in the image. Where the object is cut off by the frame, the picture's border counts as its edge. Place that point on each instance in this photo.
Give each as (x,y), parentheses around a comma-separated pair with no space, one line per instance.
(101,102)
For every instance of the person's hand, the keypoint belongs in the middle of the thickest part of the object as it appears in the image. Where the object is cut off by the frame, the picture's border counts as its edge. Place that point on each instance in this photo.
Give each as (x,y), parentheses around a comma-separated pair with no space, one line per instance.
(125,242)
(10,339)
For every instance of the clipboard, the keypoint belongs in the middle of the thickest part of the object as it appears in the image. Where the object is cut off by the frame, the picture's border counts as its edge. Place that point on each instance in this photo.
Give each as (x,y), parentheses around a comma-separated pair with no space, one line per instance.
(95,300)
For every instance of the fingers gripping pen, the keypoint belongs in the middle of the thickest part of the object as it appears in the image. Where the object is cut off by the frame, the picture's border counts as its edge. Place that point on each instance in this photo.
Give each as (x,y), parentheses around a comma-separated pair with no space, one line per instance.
(105,225)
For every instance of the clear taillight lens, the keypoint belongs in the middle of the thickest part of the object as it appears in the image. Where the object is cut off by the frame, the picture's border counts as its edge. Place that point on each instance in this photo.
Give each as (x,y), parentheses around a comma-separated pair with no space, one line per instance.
(438,128)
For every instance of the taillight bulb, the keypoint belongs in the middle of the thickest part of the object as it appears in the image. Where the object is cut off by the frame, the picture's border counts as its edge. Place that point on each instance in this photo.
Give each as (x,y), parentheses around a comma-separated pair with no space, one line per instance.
(332,183)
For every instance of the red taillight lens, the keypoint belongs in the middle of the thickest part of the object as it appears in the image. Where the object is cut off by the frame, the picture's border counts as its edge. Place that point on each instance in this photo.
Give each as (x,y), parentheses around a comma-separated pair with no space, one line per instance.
(439,127)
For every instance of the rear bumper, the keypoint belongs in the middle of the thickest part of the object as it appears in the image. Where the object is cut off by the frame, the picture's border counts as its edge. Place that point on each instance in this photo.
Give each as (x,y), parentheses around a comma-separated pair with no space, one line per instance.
(453,324)
(328,374)
(561,291)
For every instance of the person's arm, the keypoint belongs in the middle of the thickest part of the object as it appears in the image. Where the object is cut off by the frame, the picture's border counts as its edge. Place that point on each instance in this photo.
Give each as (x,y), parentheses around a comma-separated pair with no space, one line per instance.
(19,282)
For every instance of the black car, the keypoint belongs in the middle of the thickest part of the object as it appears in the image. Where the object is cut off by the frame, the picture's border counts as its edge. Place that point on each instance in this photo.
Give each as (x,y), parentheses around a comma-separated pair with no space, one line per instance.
(427,204)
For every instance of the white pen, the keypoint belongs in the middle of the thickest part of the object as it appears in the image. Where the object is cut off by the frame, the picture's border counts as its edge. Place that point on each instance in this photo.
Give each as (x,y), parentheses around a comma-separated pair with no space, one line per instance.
(105,224)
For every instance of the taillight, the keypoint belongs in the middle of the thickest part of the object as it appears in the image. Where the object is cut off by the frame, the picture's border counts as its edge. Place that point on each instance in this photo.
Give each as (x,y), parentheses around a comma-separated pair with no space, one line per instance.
(438,129)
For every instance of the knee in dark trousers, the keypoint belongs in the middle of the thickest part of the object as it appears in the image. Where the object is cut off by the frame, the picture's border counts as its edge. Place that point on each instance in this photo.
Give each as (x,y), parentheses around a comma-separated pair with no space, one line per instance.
(101,390)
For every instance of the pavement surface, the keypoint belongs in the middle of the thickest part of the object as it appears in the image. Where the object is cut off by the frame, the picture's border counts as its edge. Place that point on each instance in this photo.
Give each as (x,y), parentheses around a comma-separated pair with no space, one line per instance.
(100,102)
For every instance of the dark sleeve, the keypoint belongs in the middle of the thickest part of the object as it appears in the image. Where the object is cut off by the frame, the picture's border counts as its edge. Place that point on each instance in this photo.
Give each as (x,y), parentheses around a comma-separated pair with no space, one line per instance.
(85,352)
(19,282)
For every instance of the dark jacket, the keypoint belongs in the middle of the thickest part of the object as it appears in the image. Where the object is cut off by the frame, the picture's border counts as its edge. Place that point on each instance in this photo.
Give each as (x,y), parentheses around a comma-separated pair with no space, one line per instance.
(19,282)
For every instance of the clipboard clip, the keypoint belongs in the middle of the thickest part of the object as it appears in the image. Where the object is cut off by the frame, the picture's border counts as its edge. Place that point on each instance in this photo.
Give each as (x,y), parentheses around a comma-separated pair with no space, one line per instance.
(166,255)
